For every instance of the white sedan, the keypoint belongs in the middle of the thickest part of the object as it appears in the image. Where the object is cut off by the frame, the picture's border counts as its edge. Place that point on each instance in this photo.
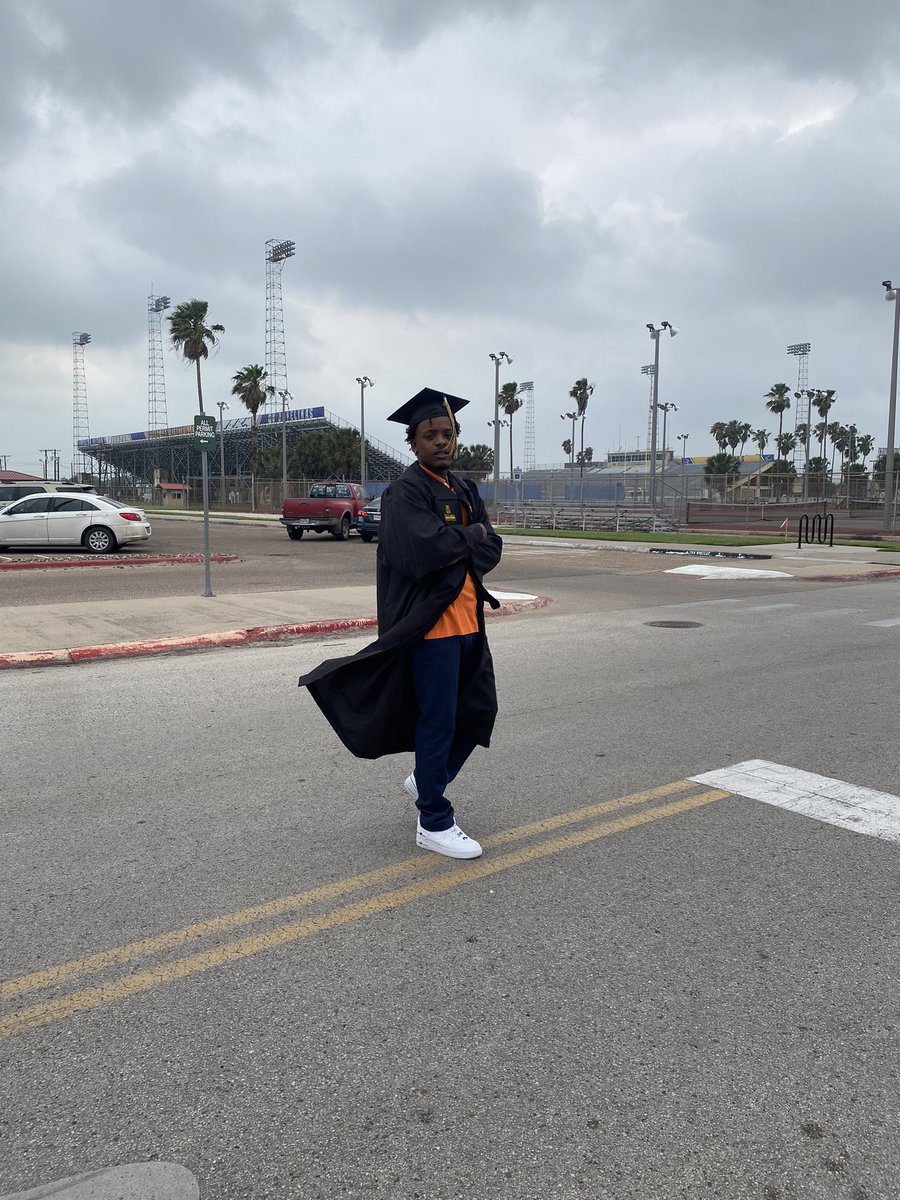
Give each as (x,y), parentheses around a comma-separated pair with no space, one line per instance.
(72,519)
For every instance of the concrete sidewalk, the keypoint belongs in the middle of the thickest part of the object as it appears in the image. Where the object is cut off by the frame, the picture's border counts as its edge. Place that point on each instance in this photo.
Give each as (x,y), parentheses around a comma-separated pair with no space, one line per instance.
(52,634)
(59,634)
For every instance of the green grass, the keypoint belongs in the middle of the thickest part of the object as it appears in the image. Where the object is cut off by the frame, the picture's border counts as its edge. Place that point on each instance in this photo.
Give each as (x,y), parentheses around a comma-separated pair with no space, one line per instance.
(686,539)
(660,539)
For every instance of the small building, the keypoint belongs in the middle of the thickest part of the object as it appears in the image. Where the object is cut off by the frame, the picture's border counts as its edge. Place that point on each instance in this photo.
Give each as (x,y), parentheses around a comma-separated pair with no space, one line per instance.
(174,495)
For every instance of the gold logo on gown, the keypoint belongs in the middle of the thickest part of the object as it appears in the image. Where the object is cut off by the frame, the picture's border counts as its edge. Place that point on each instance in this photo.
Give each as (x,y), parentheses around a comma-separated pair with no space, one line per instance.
(449,515)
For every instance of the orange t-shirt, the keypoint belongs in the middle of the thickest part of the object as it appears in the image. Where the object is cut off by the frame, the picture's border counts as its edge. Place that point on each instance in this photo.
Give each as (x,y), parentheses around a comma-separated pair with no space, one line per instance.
(461,617)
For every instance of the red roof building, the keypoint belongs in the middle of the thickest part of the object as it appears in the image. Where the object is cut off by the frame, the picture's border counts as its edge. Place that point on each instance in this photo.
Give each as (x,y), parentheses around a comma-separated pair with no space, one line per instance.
(18,477)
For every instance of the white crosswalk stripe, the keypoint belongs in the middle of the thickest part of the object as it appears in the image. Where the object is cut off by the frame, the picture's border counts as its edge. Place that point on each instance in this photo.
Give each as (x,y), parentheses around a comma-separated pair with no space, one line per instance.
(846,805)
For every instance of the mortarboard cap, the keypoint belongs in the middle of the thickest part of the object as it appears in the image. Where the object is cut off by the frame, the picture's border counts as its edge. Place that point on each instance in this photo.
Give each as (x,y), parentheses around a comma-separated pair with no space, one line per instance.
(425,404)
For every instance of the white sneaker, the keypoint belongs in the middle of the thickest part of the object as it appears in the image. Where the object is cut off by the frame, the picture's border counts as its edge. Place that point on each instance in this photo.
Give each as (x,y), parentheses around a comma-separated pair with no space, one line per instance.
(410,784)
(452,842)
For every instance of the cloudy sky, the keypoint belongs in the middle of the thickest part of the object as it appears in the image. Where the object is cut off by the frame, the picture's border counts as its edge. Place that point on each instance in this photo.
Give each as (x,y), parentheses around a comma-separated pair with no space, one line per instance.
(460,177)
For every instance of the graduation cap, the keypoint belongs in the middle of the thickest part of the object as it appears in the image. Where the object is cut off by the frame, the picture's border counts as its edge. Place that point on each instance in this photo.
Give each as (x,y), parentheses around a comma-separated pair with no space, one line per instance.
(425,404)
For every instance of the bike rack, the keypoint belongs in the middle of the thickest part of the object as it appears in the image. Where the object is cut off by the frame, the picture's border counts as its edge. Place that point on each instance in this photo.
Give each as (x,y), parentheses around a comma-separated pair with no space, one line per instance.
(820,530)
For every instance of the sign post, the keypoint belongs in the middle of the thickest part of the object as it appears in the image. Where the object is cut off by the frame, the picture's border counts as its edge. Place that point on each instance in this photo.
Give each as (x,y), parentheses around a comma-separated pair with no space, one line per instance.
(205,440)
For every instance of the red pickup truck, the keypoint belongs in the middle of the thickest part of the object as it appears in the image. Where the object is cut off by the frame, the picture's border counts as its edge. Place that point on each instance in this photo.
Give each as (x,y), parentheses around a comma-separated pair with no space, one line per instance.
(331,508)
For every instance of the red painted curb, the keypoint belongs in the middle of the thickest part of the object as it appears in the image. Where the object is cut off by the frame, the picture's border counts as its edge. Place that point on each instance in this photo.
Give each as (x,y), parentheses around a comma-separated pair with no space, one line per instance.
(884,574)
(211,641)
(188,560)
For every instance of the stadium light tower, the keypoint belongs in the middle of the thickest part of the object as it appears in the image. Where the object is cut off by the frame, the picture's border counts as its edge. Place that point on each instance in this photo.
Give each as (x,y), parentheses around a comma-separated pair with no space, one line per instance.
(156,375)
(891,294)
(498,358)
(364,381)
(81,430)
(277,254)
(655,335)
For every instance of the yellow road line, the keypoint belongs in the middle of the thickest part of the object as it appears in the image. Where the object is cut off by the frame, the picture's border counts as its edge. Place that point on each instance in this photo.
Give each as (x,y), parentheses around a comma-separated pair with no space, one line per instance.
(51,976)
(142,981)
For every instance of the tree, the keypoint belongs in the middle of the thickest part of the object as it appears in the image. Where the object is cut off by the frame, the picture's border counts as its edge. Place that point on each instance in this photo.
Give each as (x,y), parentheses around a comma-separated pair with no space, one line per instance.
(836,433)
(818,472)
(778,401)
(476,460)
(878,469)
(865,444)
(721,471)
(732,434)
(585,456)
(745,429)
(581,392)
(247,385)
(567,448)
(822,402)
(785,443)
(510,403)
(717,429)
(783,472)
(189,333)
(761,438)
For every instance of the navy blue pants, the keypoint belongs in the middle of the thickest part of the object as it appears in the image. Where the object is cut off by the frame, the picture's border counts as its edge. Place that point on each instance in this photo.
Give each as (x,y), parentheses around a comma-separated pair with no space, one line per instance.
(439,667)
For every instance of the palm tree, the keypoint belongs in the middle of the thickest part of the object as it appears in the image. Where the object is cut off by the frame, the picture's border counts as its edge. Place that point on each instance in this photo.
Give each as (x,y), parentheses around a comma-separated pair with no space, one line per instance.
(822,402)
(717,429)
(720,471)
(761,437)
(248,387)
(567,448)
(510,403)
(745,430)
(732,434)
(581,392)
(477,459)
(785,443)
(835,431)
(865,445)
(778,401)
(189,333)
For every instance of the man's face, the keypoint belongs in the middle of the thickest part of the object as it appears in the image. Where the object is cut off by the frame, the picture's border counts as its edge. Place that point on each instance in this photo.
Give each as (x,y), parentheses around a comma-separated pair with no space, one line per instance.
(431,444)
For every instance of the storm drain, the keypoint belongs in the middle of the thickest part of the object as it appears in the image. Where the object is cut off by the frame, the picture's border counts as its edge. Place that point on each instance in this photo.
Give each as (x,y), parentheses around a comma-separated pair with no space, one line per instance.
(673,624)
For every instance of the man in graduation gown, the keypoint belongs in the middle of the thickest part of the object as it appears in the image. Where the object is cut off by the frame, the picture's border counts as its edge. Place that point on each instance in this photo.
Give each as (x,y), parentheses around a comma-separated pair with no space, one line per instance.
(427,683)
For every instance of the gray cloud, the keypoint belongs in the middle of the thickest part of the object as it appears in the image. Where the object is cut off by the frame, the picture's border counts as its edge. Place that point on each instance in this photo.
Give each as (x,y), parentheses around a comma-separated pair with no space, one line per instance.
(136,60)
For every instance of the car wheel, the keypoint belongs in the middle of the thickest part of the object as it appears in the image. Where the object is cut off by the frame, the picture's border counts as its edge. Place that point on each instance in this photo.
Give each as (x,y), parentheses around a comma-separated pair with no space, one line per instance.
(342,533)
(295,534)
(99,540)
(367,537)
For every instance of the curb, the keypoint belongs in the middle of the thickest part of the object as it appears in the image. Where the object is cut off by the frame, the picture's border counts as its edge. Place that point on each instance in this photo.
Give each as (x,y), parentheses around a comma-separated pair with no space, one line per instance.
(882,574)
(186,559)
(214,641)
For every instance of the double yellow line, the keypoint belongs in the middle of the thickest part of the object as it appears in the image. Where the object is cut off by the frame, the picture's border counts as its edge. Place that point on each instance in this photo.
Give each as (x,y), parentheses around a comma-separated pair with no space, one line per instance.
(440,876)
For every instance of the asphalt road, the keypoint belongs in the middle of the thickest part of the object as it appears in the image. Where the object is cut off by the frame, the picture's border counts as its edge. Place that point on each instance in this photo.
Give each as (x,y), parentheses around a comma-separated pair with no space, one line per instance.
(687,1002)
(267,560)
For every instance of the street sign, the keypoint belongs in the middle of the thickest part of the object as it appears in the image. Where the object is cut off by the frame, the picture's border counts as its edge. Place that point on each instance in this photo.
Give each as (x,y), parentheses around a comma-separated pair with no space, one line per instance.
(517,476)
(205,432)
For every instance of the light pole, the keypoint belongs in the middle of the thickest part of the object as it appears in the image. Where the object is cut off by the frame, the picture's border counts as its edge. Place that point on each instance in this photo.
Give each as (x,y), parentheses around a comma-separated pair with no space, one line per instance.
(683,437)
(364,381)
(498,358)
(655,335)
(665,409)
(285,396)
(891,293)
(222,405)
(573,417)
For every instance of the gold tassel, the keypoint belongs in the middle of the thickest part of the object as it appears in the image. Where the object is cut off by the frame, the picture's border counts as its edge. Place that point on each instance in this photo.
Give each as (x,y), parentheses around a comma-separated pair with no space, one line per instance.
(452,448)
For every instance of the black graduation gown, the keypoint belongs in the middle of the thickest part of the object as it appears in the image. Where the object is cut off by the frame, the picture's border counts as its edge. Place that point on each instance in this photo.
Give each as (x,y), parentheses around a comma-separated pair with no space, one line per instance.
(424,552)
